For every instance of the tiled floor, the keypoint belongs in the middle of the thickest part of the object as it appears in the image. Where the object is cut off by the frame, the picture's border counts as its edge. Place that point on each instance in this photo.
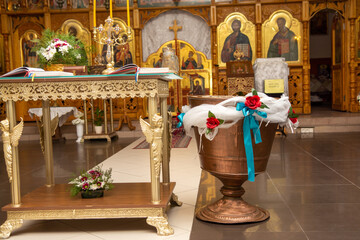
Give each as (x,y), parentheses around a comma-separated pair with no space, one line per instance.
(311,189)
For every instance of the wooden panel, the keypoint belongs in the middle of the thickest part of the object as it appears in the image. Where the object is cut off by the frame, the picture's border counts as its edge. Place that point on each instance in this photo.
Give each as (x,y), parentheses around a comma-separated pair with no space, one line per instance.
(295,82)
(123,195)
(336,88)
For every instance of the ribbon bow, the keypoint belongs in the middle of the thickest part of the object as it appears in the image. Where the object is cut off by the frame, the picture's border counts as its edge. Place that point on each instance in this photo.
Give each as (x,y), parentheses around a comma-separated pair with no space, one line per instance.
(180,117)
(250,123)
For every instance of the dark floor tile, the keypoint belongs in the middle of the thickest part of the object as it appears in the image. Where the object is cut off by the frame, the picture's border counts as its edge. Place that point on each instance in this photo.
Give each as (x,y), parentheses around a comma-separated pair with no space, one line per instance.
(320,194)
(327,217)
(332,235)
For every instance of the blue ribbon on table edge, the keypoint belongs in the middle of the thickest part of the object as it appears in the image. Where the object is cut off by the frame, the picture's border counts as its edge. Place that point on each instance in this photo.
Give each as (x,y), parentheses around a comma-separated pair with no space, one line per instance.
(180,117)
(250,123)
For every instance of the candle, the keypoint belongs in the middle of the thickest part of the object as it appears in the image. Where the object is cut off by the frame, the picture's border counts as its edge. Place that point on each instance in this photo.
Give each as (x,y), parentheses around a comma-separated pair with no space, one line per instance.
(128,13)
(111,9)
(94,8)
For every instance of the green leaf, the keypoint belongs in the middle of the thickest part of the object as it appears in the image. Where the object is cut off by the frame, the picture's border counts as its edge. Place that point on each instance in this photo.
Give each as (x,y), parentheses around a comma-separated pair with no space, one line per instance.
(221,121)
(263,105)
(210,115)
(208,130)
(254,92)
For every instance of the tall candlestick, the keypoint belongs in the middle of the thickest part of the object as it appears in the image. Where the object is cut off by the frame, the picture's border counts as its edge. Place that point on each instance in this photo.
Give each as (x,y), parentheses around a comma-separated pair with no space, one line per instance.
(111,9)
(128,12)
(94,8)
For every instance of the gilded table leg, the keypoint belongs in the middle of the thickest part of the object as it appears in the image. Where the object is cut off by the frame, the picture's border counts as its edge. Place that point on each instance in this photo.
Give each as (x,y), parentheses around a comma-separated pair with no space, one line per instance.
(9,226)
(174,200)
(156,126)
(48,153)
(162,225)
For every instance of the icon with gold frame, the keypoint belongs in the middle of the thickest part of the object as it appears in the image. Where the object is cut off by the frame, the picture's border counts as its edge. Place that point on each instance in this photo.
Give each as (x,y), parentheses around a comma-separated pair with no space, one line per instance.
(281,37)
(225,31)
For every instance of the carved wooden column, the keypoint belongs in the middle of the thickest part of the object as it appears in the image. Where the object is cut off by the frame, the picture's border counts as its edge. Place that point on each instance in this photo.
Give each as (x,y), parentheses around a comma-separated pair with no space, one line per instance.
(6,52)
(258,29)
(354,105)
(214,53)
(47,19)
(306,60)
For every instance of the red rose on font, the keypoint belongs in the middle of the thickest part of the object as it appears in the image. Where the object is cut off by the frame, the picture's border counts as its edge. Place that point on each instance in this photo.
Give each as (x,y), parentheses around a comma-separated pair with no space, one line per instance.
(253,102)
(293,120)
(212,123)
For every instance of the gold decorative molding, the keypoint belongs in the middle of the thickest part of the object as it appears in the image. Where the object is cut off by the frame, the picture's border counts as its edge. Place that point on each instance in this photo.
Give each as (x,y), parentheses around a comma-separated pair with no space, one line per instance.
(204,13)
(162,226)
(316,7)
(223,12)
(293,8)
(8,226)
(10,140)
(82,89)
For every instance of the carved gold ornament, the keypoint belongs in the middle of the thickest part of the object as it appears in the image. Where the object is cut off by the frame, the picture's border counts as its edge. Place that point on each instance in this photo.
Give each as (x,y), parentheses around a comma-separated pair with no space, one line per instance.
(10,140)
(153,136)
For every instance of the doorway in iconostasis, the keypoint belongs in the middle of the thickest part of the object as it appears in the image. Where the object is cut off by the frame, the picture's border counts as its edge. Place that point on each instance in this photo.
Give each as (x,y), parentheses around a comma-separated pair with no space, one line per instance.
(194,68)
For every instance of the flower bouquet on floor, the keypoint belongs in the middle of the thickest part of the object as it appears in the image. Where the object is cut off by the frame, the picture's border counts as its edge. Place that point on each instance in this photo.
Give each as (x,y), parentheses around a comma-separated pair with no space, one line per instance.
(92,183)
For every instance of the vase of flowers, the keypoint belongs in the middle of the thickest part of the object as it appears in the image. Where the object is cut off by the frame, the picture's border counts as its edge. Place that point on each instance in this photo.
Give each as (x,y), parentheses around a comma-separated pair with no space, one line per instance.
(79,123)
(92,183)
(57,48)
(224,127)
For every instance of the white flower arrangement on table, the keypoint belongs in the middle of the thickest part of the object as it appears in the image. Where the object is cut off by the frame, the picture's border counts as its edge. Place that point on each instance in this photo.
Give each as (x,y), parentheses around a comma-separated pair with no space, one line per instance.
(94,179)
(58,48)
(79,118)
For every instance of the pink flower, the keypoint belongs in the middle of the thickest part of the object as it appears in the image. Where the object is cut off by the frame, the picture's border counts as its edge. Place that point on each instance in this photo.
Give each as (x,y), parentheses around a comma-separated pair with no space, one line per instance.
(83,179)
(85,186)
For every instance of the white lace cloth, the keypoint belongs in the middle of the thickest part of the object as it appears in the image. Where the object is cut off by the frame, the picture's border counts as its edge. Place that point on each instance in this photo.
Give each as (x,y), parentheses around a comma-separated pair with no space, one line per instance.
(63,112)
(270,68)
(226,110)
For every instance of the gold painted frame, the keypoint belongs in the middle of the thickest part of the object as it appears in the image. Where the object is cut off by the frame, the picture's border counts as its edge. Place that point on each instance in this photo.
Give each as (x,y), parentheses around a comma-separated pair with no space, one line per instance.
(123,27)
(80,33)
(224,30)
(270,28)
(27,37)
(357,37)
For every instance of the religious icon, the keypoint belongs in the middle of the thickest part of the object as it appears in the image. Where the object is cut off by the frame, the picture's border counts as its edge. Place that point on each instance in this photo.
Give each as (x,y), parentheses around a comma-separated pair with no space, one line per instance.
(80,3)
(29,56)
(319,23)
(237,43)
(284,43)
(122,53)
(35,4)
(158,63)
(197,86)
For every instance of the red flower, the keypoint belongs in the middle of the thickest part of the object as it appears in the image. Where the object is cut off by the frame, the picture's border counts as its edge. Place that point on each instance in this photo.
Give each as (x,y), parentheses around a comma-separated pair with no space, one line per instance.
(294,120)
(292,115)
(212,123)
(253,102)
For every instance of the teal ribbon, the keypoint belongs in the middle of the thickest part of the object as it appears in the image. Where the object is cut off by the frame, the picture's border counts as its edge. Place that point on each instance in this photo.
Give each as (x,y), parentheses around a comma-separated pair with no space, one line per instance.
(180,117)
(250,123)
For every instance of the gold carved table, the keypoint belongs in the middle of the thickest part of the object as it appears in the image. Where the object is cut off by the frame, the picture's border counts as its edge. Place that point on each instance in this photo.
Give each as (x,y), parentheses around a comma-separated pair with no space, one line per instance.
(53,201)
